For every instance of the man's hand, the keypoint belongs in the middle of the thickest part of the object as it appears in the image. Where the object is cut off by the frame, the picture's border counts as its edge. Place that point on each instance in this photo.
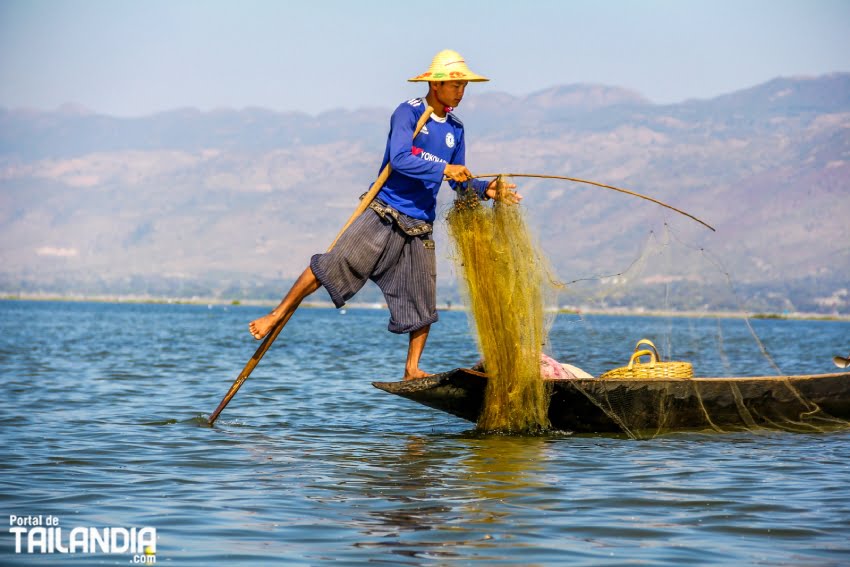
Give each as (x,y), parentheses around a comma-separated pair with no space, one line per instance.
(457,173)
(508,195)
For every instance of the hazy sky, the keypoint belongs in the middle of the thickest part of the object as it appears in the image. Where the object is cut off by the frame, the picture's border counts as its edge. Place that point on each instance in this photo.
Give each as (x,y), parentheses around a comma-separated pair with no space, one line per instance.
(131,58)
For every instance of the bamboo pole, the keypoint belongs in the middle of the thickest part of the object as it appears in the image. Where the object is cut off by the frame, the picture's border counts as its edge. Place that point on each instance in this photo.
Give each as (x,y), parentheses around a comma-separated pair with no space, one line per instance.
(621,190)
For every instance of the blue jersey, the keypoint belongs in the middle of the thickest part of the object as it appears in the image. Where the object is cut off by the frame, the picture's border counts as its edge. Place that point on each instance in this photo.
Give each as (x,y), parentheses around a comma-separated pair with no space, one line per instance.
(418,164)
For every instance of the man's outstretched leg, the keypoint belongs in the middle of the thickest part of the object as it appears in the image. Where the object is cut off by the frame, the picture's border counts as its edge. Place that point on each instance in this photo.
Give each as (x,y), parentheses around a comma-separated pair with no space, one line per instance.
(414,353)
(303,286)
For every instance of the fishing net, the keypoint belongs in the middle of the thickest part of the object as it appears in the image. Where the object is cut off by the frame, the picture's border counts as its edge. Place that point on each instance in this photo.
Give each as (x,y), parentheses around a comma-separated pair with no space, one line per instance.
(506,283)
(643,409)
(672,276)
(504,280)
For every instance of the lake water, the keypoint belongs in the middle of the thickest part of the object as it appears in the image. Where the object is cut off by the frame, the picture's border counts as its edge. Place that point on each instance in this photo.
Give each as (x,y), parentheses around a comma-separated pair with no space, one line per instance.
(102,411)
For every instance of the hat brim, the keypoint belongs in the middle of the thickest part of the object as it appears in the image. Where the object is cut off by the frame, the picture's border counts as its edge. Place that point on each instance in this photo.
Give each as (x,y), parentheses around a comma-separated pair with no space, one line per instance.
(443,77)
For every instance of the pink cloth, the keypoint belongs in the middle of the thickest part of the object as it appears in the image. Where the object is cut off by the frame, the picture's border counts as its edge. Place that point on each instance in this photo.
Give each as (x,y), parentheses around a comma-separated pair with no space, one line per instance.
(550,369)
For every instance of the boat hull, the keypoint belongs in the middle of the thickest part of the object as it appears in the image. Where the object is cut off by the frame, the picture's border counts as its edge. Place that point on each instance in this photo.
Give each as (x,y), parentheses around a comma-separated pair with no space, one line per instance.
(641,407)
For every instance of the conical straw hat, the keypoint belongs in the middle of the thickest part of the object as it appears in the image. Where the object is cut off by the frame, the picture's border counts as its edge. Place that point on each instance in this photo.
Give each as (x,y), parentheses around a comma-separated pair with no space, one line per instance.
(448,65)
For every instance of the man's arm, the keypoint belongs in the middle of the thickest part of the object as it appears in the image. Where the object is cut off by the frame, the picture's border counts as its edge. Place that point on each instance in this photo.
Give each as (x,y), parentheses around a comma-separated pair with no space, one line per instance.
(402,160)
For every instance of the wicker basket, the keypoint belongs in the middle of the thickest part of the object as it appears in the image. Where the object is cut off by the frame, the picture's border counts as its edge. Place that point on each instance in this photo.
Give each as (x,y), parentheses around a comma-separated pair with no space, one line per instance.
(655,369)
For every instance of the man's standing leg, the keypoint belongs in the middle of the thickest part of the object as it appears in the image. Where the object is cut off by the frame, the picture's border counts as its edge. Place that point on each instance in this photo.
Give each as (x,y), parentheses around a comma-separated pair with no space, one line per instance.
(408,281)
(414,353)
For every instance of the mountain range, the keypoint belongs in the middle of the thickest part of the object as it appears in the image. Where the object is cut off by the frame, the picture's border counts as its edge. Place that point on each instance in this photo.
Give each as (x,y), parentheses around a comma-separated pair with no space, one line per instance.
(232,203)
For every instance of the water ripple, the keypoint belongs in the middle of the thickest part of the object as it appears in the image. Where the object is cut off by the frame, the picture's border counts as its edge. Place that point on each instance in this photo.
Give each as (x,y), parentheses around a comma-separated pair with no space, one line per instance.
(105,425)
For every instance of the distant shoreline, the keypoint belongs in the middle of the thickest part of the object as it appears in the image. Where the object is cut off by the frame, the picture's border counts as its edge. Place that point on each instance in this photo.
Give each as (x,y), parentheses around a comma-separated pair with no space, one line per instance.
(130,299)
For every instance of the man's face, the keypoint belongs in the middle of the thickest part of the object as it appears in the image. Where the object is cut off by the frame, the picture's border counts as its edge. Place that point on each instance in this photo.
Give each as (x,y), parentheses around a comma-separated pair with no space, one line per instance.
(449,93)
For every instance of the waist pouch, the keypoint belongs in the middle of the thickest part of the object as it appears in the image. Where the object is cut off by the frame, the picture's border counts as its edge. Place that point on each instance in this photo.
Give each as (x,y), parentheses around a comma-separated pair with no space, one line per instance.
(408,225)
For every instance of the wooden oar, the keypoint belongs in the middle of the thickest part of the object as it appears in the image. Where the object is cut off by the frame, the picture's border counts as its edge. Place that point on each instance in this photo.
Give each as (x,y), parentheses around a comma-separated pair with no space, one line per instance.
(267,342)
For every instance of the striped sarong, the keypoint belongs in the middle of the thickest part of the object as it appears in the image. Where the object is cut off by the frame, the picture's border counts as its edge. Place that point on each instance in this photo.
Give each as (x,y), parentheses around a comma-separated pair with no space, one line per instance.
(402,265)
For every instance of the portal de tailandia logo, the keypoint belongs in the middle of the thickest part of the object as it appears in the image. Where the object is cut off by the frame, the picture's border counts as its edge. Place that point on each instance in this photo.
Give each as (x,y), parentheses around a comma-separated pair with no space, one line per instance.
(43,534)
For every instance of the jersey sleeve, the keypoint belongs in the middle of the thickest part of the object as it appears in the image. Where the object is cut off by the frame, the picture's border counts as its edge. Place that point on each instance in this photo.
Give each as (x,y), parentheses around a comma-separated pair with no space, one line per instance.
(402,160)
(459,158)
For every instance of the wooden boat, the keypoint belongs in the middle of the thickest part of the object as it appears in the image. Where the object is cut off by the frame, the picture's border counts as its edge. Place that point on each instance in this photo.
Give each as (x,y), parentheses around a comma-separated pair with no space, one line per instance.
(650,406)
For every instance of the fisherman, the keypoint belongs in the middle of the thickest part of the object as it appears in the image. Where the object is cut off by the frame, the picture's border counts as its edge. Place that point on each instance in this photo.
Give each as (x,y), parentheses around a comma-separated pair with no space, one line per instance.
(391,243)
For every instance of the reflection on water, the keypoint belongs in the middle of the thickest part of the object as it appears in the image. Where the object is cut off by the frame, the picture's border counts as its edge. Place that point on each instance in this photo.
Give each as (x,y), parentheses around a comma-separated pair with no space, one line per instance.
(502,468)
(432,500)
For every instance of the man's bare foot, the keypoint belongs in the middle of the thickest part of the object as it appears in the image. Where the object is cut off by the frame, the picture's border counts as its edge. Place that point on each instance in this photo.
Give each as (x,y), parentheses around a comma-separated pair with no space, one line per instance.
(415,374)
(261,327)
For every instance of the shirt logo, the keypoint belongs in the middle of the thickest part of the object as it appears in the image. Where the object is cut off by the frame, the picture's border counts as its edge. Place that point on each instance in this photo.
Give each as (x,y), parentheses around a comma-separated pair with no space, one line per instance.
(424,130)
(414,102)
(450,140)
(427,156)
